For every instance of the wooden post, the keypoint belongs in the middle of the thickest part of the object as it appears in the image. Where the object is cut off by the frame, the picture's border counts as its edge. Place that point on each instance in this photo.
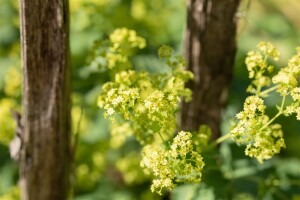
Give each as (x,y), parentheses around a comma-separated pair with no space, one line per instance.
(210,51)
(45,152)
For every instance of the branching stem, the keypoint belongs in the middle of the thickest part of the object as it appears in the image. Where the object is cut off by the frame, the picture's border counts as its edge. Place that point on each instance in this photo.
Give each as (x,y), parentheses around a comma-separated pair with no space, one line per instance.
(276,116)
(267,91)
(219,140)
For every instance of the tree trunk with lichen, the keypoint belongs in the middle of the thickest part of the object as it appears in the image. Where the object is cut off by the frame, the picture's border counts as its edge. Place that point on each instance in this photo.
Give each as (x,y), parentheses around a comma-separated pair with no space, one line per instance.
(210,49)
(45,152)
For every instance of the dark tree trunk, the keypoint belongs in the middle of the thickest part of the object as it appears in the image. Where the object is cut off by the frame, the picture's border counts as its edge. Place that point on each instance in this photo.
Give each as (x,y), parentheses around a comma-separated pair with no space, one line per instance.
(45,153)
(210,51)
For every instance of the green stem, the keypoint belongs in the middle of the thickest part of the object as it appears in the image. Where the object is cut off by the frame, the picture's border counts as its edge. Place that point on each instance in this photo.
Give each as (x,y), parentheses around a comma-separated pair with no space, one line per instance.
(276,116)
(219,140)
(223,138)
(166,143)
(282,104)
(270,122)
(161,137)
(268,90)
(258,90)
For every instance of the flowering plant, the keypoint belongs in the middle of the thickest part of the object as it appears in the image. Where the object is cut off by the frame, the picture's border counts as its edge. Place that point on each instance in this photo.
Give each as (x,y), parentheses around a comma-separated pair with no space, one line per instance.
(263,137)
(145,104)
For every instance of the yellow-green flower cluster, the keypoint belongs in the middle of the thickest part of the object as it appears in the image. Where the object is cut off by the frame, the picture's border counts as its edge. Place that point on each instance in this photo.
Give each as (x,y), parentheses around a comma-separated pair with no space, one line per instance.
(295,106)
(133,97)
(146,104)
(287,76)
(256,62)
(165,52)
(269,50)
(160,110)
(122,38)
(123,42)
(288,84)
(263,137)
(254,129)
(118,100)
(148,101)
(113,55)
(178,164)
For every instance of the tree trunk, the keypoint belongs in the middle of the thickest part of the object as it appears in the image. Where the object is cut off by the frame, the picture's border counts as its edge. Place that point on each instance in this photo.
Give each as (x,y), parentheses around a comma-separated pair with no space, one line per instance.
(210,51)
(45,152)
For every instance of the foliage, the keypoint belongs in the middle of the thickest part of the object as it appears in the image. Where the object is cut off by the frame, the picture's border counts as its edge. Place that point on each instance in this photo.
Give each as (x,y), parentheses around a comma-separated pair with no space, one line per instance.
(8,127)
(177,161)
(263,137)
(12,194)
(148,103)
(108,157)
(179,164)
(113,54)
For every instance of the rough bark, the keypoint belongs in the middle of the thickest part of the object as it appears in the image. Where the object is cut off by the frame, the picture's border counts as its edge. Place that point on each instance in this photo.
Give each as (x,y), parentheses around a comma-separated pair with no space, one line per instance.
(45,152)
(210,51)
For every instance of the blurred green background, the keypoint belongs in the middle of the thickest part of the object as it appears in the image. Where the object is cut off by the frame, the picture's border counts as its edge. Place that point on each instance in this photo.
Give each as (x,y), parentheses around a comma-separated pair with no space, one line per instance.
(105,172)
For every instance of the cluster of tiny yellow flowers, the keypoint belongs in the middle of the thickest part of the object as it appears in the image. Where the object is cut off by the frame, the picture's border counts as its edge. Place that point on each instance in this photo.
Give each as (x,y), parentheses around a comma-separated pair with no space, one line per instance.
(124,38)
(136,99)
(118,99)
(123,41)
(114,54)
(178,164)
(255,129)
(287,77)
(295,106)
(287,81)
(258,67)
(146,104)
(269,50)
(149,102)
